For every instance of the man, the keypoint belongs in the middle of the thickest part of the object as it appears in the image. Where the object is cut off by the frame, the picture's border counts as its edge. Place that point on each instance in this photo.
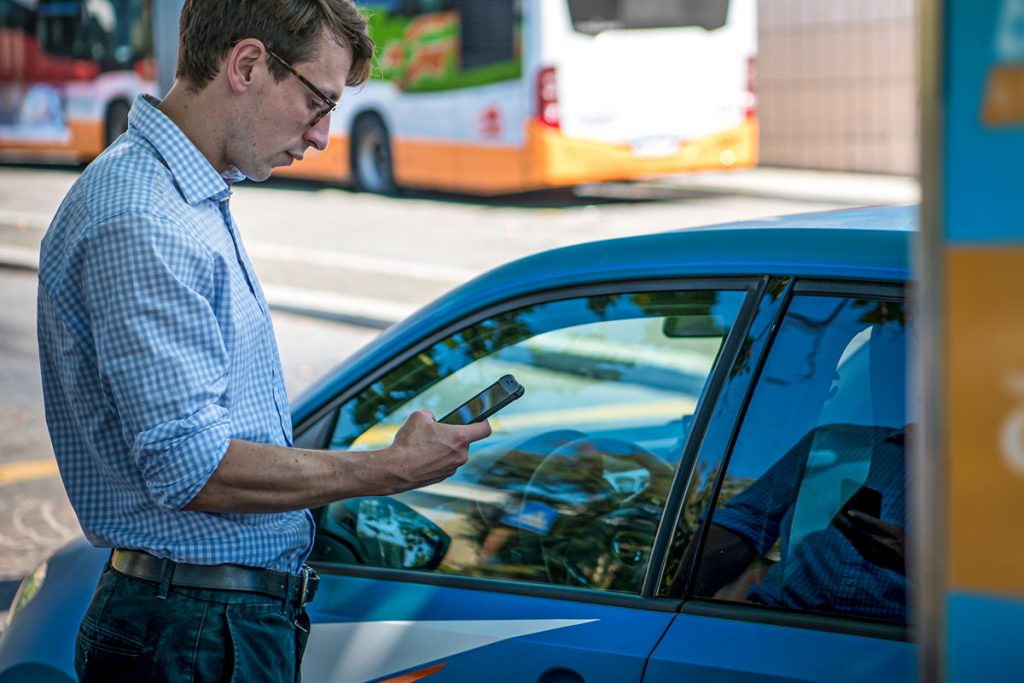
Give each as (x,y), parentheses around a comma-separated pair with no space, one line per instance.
(163,387)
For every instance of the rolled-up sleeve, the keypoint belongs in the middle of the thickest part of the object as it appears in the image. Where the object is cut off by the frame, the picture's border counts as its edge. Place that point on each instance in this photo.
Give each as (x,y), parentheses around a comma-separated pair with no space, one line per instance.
(756,513)
(149,284)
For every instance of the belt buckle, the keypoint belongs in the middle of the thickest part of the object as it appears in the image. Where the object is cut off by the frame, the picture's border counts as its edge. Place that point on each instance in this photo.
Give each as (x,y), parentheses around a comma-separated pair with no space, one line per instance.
(309,584)
(305,584)
(310,581)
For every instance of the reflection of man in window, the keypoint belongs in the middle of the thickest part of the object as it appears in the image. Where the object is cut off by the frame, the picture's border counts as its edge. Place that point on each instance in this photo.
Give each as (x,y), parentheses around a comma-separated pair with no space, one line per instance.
(852,563)
(821,529)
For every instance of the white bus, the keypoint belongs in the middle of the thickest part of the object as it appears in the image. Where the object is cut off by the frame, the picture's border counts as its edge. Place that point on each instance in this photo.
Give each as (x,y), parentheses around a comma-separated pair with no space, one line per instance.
(498,96)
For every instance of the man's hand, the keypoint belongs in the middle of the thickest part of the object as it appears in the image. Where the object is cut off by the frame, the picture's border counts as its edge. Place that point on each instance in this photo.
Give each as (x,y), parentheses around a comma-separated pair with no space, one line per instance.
(880,543)
(425,452)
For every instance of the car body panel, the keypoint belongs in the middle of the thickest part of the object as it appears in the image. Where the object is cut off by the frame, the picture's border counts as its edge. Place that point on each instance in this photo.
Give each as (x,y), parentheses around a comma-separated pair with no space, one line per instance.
(56,611)
(384,628)
(699,647)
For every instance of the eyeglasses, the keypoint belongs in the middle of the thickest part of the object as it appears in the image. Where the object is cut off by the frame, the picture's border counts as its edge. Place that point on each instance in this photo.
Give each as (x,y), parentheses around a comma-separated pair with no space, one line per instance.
(329,104)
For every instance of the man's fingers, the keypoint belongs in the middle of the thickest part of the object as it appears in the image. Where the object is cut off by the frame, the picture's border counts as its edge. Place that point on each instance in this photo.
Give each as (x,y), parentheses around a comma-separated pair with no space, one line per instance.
(858,515)
(477,430)
(847,520)
(856,530)
(866,523)
(876,526)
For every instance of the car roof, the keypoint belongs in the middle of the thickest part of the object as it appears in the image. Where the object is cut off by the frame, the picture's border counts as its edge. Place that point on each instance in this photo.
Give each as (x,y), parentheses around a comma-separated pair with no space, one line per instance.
(858,244)
(902,217)
(855,243)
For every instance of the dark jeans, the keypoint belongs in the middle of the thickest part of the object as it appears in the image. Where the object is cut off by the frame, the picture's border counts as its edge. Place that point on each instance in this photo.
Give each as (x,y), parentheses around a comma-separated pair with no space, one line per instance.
(192,635)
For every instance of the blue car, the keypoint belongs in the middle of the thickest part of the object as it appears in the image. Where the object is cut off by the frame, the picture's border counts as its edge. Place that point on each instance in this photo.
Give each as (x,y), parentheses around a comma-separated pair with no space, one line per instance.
(704,480)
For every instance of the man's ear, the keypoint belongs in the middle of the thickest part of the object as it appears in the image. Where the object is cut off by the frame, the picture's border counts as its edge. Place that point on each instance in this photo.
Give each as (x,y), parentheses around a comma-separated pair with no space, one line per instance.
(244,63)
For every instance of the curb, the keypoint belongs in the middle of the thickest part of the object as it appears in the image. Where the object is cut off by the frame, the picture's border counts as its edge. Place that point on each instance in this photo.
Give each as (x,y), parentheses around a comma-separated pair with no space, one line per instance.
(827,187)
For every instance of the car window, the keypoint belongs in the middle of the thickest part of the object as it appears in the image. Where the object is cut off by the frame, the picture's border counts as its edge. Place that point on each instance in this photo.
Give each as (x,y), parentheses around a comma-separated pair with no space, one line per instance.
(570,487)
(811,514)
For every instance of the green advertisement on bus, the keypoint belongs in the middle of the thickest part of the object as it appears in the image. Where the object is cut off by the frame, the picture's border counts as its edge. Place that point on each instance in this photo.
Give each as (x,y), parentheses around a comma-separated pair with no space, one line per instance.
(424,52)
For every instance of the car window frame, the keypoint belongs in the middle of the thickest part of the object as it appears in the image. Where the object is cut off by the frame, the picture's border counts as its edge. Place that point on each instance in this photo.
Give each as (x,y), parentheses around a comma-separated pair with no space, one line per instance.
(843,624)
(324,419)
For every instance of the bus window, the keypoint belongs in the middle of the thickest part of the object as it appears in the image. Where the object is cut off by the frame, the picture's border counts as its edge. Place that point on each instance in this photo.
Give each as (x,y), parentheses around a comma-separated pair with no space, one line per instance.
(57,26)
(426,6)
(113,33)
(487,32)
(14,16)
(594,16)
(406,8)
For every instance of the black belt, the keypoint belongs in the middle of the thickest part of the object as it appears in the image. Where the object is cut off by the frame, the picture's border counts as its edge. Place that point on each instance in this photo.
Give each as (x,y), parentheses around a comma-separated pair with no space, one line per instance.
(296,588)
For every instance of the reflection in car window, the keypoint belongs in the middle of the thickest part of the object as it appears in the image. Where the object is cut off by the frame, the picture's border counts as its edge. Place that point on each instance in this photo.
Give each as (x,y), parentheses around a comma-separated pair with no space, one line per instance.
(812,514)
(595,16)
(570,487)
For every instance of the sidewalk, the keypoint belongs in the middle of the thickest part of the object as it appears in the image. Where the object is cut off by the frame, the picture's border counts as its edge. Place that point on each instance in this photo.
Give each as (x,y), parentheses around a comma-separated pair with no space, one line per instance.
(801,184)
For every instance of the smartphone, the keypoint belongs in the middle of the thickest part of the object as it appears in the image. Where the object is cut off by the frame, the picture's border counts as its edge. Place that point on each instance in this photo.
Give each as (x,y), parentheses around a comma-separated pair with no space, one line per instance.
(866,500)
(486,403)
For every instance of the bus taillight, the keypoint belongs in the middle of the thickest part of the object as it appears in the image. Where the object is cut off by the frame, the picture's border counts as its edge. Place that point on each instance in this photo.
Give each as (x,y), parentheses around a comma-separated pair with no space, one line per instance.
(750,108)
(547,97)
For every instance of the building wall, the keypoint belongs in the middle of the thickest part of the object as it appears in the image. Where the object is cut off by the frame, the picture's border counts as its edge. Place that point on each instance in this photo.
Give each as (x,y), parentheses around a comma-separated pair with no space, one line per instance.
(837,84)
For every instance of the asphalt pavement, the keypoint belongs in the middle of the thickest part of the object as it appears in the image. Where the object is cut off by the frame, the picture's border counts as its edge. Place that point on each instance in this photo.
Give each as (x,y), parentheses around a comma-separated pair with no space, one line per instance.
(364,287)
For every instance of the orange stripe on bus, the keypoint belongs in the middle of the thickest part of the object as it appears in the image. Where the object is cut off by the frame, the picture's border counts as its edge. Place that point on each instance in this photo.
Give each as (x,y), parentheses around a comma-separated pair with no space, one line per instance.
(330,164)
(457,167)
(557,159)
(85,141)
(549,159)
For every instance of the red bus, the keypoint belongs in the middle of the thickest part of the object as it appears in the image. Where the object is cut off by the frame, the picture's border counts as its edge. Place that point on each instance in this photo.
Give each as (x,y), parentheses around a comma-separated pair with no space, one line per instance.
(69,70)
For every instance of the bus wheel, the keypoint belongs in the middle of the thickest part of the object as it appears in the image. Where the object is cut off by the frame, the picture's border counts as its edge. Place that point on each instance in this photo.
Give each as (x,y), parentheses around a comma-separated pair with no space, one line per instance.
(117,121)
(372,169)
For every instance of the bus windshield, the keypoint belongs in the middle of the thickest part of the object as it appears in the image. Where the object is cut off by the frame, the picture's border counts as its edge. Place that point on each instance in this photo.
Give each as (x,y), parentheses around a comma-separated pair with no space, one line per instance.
(112,33)
(595,16)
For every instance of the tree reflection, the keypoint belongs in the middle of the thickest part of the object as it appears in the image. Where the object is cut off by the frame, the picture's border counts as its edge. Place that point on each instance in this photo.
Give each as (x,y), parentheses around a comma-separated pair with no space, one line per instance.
(574,509)
(696,508)
(489,336)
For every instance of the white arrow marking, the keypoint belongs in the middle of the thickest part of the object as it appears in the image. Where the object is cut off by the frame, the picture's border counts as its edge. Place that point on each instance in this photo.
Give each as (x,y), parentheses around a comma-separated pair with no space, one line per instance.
(366,650)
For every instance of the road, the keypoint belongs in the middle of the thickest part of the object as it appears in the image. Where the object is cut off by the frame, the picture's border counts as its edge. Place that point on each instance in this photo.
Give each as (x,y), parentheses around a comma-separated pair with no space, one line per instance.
(349,263)
(369,259)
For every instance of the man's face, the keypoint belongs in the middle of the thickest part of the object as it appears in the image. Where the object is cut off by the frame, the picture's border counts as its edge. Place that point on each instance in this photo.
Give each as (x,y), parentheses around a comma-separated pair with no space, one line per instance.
(274,127)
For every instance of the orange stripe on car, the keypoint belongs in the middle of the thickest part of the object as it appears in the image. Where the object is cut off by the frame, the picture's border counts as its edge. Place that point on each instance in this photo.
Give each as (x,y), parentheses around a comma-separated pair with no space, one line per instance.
(417,675)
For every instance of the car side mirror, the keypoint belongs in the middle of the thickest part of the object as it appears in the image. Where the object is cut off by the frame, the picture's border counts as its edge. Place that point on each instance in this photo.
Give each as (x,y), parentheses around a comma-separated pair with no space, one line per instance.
(382,532)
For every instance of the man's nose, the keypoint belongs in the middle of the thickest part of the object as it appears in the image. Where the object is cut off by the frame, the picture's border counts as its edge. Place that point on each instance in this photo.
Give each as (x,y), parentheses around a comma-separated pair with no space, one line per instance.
(318,135)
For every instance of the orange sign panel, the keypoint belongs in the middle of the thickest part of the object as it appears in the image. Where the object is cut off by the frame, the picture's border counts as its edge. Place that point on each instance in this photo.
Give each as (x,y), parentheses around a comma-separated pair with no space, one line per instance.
(985,418)
(1004,96)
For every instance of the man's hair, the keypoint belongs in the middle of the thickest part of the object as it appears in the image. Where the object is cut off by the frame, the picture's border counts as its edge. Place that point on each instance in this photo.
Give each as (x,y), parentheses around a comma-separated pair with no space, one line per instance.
(291,28)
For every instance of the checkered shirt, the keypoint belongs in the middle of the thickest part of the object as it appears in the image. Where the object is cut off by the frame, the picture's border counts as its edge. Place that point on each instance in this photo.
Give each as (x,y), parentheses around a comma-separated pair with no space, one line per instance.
(156,350)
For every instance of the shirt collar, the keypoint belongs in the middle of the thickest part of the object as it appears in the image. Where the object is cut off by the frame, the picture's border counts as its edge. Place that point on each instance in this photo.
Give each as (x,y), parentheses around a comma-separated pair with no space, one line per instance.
(196,178)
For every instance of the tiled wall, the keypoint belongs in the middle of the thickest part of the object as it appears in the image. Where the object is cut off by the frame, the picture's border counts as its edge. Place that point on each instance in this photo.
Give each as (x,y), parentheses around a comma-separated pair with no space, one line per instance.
(837,84)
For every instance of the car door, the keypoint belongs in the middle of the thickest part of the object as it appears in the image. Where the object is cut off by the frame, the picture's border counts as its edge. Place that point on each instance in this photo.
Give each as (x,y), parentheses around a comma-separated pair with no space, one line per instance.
(781,561)
(533,562)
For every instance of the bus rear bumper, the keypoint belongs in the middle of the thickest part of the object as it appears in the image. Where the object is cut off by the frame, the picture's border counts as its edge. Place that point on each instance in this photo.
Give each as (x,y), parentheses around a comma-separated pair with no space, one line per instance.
(556,159)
